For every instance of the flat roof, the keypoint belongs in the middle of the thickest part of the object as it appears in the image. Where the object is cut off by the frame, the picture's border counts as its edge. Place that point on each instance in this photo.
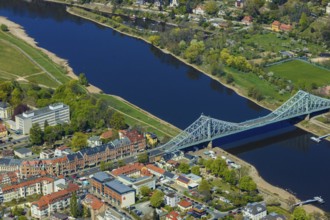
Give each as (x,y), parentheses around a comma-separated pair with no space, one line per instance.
(23,150)
(102,177)
(42,111)
(119,187)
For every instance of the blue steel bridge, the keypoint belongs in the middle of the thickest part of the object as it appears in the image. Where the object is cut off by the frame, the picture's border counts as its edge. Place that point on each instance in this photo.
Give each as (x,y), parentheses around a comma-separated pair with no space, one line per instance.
(206,129)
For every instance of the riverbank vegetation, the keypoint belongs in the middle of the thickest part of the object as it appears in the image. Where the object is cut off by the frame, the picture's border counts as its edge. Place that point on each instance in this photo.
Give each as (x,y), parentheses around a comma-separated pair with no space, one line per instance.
(25,84)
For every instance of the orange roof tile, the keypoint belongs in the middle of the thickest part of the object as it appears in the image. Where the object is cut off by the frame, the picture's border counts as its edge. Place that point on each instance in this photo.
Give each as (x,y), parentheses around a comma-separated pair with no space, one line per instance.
(173,215)
(155,168)
(185,203)
(62,148)
(276,23)
(94,202)
(106,135)
(27,183)
(129,168)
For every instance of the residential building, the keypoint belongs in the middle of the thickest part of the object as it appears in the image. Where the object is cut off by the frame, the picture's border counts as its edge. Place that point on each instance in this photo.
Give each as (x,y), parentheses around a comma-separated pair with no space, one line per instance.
(285,27)
(193,178)
(159,172)
(10,124)
(23,152)
(61,151)
(151,139)
(247,20)
(3,131)
(6,110)
(173,215)
(54,114)
(327,10)
(274,216)
(9,178)
(94,141)
(7,153)
(185,205)
(110,214)
(276,26)
(198,212)
(239,3)
(128,170)
(254,211)
(98,181)
(107,135)
(183,181)
(53,202)
(136,139)
(9,164)
(46,154)
(199,10)
(40,185)
(171,199)
(95,205)
(174,3)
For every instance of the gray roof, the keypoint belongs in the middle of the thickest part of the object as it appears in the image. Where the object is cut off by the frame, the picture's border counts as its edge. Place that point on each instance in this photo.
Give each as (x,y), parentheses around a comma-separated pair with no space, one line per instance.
(169,174)
(4,105)
(274,216)
(255,208)
(118,187)
(102,177)
(60,216)
(10,162)
(23,150)
(42,111)
(134,180)
(193,176)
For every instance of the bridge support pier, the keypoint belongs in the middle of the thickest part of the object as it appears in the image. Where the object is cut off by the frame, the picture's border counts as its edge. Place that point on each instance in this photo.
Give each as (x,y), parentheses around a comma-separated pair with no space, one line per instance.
(307,117)
(210,145)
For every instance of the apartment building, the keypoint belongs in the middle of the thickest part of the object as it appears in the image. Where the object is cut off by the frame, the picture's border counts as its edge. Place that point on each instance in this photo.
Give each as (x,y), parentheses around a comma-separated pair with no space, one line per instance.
(54,114)
(53,202)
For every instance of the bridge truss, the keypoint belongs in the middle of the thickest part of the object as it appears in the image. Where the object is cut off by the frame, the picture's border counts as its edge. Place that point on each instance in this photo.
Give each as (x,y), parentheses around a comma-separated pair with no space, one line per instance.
(206,129)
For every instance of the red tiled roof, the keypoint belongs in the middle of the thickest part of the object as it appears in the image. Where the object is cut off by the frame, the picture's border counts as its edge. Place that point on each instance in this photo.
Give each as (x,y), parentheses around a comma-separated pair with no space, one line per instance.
(44,201)
(185,204)
(27,183)
(173,215)
(62,148)
(276,23)
(107,134)
(94,202)
(2,128)
(130,168)
(133,135)
(285,27)
(173,162)
(155,168)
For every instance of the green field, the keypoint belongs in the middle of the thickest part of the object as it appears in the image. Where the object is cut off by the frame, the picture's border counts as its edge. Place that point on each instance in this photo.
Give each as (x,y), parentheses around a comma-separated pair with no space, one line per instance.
(302,74)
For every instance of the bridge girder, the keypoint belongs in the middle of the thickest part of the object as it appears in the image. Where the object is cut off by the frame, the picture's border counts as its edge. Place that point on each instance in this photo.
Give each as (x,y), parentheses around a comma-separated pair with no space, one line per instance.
(205,128)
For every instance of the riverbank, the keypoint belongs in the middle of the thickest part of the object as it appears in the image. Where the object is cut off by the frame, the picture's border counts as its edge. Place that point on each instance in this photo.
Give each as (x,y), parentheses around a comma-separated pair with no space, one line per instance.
(145,119)
(270,193)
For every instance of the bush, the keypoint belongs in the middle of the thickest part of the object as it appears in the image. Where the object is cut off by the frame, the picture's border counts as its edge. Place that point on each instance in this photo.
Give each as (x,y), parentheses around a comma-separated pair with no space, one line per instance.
(4,27)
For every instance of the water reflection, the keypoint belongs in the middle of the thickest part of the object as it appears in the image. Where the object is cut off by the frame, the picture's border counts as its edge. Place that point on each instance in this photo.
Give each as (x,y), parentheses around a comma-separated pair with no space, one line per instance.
(216,86)
(193,74)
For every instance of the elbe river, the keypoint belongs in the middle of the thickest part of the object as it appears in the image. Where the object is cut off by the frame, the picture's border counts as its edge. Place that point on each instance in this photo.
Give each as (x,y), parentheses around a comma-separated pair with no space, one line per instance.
(177,93)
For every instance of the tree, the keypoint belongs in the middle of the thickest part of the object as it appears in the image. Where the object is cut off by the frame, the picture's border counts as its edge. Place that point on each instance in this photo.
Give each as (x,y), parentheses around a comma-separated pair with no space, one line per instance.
(117,121)
(4,28)
(184,168)
(86,212)
(157,198)
(83,79)
(299,214)
(246,183)
(303,22)
(145,190)
(36,134)
(154,40)
(204,186)
(79,141)
(230,78)
(22,217)
(194,51)
(74,205)
(196,170)
(229,176)
(121,163)
(211,7)
(143,158)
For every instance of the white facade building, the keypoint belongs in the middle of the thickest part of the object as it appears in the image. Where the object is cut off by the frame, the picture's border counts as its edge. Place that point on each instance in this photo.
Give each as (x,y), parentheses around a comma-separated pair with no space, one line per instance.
(254,211)
(5,110)
(54,114)
(327,10)
(171,199)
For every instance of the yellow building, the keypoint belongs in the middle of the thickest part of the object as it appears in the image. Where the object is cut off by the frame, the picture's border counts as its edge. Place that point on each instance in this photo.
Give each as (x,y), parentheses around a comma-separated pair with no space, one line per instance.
(183,181)
(6,111)
(151,139)
(276,26)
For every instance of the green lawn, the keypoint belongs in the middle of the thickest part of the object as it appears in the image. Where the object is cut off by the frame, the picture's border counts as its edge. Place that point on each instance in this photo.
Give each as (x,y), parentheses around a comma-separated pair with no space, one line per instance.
(43,79)
(302,74)
(136,114)
(14,62)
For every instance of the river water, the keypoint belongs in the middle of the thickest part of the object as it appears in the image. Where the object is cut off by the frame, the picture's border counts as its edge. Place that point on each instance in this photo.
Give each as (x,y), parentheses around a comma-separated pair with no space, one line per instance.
(175,92)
